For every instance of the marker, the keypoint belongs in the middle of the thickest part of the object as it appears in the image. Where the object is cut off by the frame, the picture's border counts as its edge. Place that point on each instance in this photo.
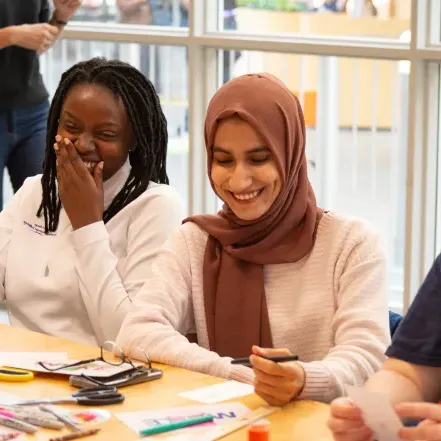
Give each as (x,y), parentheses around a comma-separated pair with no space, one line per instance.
(63,419)
(28,412)
(76,435)
(177,425)
(17,424)
(48,423)
(280,359)
(10,436)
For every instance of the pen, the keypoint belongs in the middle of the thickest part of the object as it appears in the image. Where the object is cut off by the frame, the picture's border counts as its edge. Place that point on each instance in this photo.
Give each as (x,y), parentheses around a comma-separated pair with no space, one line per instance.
(48,423)
(75,435)
(17,424)
(280,359)
(63,419)
(176,425)
(28,412)
(10,436)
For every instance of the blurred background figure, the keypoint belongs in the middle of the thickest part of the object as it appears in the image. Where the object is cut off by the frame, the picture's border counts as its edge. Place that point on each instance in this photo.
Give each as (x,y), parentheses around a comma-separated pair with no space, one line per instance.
(329,6)
(27,29)
(134,11)
(368,9)
(175,13)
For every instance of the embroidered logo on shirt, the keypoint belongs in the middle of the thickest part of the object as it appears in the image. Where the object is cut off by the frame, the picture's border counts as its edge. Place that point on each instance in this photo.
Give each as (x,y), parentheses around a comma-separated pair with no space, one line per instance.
(39,229)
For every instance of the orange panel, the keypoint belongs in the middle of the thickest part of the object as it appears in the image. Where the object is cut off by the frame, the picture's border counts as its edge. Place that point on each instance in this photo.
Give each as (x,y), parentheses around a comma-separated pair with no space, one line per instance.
(309,106)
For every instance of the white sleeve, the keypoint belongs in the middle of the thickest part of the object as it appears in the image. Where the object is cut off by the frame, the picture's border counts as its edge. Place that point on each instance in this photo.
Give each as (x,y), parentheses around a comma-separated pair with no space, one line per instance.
(9,217)
(107,296)
(360,326)
(162,315)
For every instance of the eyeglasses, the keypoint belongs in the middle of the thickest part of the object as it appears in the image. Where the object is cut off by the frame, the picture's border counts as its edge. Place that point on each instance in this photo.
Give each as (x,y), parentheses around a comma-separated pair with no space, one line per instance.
(111,354)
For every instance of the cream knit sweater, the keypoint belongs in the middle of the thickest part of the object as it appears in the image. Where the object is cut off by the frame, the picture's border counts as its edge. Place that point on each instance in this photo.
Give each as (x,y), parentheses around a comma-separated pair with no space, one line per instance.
(330,308)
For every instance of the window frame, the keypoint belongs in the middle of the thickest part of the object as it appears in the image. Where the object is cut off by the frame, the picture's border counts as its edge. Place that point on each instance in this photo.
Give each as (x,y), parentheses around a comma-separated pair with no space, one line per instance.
(202,39)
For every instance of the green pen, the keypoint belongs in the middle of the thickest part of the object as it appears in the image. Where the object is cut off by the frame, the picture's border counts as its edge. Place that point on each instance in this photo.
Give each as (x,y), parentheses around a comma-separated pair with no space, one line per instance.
(177,425)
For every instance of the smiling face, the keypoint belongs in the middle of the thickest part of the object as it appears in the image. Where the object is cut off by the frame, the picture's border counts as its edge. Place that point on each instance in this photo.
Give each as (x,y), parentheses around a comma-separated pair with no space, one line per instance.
(244,172)
(96,123)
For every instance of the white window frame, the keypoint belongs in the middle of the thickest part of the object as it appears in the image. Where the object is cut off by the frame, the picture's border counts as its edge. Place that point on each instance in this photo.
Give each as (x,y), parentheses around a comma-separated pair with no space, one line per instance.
(203,40)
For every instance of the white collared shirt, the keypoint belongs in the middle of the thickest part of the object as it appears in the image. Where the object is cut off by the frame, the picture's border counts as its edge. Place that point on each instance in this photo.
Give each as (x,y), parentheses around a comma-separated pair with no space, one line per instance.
(79,284)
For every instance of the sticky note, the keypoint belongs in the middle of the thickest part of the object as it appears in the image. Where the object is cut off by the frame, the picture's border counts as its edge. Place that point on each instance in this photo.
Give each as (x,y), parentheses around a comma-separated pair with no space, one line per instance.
(378,413)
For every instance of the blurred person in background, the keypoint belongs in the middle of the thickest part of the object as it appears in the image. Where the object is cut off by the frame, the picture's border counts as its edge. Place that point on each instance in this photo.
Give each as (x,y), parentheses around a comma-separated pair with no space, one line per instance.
(134,12)
(328,6)
(367,9)
(163,13)
(27,29)
(176,13)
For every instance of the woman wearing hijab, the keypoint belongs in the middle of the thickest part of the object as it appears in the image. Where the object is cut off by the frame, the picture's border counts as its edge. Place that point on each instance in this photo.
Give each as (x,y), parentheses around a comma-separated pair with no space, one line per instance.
(271,270)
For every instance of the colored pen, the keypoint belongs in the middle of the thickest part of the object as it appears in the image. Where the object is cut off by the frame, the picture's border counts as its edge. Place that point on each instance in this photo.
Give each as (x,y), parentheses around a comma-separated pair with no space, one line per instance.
(75,435)
(25,411)
(280,359)
(176,425)
(10,436)
(63,419)
(48,423)
(17,424)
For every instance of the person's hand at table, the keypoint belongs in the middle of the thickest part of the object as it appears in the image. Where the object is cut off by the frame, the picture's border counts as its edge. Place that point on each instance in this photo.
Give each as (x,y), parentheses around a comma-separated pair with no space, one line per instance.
(276,383)
(429,429)
(81,193)
(346,422)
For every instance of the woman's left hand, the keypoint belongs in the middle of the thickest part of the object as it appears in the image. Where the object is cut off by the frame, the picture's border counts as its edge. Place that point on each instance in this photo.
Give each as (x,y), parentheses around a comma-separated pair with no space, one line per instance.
(429,429)
(65,9)
(81,193)
(276,383)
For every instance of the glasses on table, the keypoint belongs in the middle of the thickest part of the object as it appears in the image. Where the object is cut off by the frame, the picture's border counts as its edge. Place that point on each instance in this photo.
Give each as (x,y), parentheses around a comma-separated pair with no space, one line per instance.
(110,354)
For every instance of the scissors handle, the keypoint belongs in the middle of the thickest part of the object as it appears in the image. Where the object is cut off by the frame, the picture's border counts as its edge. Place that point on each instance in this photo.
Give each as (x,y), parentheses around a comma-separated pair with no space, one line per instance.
(95,400)
(12,374)
(96,391)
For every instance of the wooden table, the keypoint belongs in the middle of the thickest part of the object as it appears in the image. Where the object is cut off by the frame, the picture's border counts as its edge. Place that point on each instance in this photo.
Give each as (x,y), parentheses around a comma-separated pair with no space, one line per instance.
(303,420)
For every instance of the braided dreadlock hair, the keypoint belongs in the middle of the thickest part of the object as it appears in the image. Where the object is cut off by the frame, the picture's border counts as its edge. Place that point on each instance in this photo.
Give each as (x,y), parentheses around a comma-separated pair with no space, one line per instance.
(148,155)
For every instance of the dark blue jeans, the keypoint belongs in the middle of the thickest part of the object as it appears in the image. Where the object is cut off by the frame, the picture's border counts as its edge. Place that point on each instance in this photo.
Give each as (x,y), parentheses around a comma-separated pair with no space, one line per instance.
(22,143)
(162,15)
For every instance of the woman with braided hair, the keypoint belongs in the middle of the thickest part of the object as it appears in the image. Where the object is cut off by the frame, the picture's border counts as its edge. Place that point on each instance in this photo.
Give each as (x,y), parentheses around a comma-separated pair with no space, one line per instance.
(77,242)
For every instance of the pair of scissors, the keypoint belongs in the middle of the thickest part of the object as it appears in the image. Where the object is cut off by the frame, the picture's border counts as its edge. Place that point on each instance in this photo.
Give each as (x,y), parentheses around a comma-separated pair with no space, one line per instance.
(12,374)
(88,396)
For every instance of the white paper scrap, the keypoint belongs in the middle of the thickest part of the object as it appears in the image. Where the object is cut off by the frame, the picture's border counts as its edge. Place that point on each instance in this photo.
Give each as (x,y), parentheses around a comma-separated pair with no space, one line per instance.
(8,358)
(378,413)
(7,399)
(151,418)
(219,392)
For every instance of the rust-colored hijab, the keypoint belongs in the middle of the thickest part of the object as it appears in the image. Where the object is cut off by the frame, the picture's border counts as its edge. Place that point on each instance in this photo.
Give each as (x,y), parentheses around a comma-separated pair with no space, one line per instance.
(235,304)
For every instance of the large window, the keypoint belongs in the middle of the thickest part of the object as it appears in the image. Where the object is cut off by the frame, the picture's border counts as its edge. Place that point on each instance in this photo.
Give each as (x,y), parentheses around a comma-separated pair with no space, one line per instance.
(135,12)
(369,85)
(363,18)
